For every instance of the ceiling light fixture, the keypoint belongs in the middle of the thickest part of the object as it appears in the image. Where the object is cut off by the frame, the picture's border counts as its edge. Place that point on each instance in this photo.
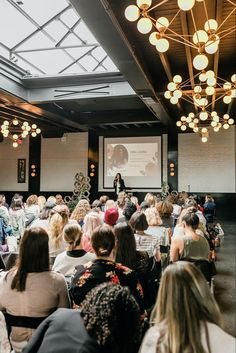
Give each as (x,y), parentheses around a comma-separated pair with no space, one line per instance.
(17,130)
(204,40)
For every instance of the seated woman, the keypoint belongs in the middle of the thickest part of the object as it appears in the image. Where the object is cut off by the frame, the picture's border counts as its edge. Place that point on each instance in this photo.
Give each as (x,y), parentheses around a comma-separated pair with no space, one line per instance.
(186,318)
(103,269)
(192,245)
(148,271)
(32,209)
(144,241)
(209,209)
(155,227)
(30,289)
(91,221)
(109,321)
(17,217)
(165,209)
(75,254)
(44,216)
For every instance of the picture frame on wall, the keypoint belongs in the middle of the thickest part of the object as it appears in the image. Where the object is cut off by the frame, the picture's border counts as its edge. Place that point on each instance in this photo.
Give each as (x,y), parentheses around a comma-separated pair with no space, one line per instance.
(21,170)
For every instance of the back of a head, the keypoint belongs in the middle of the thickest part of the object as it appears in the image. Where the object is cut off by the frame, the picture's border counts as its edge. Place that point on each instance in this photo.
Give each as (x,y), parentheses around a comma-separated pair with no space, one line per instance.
(125,245)
(138,221)
(191,220)
(2,199)
(111,316)
(109,204)
(16,204)
(153,217)
(59,217)
(164,208)
(150,199)
(129,209)
(103,240)
(103,199)
(32,200)
(33,256)
(41,201)
(72,234)
(184,302)
(85,203)
(91,221)
(144,205)
(111,216)
(191,205)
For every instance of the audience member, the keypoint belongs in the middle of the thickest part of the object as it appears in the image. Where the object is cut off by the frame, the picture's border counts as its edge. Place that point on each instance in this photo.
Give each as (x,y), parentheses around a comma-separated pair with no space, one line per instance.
(165,209)
(209,208)
(155,227)
(109,321)
(75,254)
(186,317)
(59,199)
(78,214)
(4,341)
(43,220)
(129,209)
(91,221)
(30,289)
(32,209)
(59,217)
(41,202)
(150,199)
(192,246)
(111,216)
(103,199)
(104,269)
(17,217)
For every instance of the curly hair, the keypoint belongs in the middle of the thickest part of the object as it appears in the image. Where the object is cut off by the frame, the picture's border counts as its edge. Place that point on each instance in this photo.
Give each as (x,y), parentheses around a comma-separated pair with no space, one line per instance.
(111,315)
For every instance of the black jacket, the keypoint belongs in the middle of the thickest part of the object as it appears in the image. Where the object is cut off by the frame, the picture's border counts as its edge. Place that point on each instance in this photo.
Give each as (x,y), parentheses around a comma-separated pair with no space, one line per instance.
(62,332)
(122,185)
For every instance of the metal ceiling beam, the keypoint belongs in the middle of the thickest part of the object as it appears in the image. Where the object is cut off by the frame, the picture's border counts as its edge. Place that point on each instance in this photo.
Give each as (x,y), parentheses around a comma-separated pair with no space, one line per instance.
(55,48)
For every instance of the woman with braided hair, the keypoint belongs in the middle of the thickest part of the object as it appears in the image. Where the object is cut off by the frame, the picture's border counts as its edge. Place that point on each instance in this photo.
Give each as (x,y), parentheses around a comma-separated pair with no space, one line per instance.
(109,321)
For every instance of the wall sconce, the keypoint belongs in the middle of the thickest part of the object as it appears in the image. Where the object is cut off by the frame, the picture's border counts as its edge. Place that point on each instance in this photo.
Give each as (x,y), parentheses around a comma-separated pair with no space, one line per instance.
(92,170)
(33,170)
(172,169)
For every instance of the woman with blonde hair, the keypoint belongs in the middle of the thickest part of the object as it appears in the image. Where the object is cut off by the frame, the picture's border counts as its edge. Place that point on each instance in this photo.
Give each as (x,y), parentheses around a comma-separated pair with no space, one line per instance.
(91,221)
(59,217)
(150,199)
(155,227)
(186,317)
(41,202)
(78,214)
(75,254)
(32,209)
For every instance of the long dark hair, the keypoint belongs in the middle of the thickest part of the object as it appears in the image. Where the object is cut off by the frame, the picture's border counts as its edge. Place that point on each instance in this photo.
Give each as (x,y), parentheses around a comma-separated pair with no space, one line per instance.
(33,256)
(126,246)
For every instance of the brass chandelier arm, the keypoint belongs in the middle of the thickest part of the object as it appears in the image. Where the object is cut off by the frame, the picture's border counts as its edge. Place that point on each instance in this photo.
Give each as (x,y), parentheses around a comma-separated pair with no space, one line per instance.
(226,30)
(226,18)
(181,42)
(157,5)
(231,2)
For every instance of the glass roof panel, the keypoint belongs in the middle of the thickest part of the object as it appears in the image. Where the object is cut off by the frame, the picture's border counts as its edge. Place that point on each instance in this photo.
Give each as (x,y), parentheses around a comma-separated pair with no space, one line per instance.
(49,37)
(11,34)
(42,10)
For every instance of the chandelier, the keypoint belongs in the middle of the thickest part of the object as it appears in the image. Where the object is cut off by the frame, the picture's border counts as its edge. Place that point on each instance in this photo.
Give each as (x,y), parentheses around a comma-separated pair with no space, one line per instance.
(204,40)
(200,93)
(17,131)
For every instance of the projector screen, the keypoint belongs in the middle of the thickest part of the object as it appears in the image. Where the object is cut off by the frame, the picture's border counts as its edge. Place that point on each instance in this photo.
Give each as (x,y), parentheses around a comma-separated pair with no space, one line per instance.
(138,159)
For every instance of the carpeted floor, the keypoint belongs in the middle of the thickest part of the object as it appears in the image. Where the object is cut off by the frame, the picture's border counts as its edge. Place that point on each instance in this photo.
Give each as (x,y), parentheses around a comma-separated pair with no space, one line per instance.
(225,279)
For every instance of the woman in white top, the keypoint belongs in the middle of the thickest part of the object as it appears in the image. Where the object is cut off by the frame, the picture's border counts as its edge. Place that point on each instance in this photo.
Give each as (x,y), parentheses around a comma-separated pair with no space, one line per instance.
(75,254)
(155,227)
(32,209)
(186,317)
(30,289)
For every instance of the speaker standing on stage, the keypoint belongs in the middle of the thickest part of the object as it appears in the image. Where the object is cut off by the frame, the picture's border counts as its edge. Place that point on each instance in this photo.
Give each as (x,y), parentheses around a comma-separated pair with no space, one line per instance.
(118,184)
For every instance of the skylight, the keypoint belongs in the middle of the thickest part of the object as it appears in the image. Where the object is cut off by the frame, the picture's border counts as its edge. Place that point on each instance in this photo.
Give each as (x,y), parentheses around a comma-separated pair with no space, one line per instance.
(48,37)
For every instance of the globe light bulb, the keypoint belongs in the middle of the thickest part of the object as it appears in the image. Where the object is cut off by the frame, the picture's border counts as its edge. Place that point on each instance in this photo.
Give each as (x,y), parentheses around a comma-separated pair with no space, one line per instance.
(204,130)
(231,121)
(188,120)
(183,118)
(204,139)
(210,25)
(15,144)
(6,123)
(210,74)
(233,78)
(227,86)
(144,25)
(153,38)
(216,118)
(38,131)
(213,113)
(225,126)
(162,45)
(28,128)
(25,123)
(162,23)
(178,94)
(226,116)
(186,5)
(196,120)
(227,99)
(174,100)
(203,102)
(15,137)
(216,129)
(200,37)
(183,127)
(195,129)
(211,47)
(177,79)
(211,81)
(132,13)
(233,93)
(15,122)
(203,116)
(171,86)
(144,4)
(178,123)
(167,94)
(191,125)
(210,90)
(191,115)
(200,62)
(197,89)
(213,123)
(203,77)
(33,134)
(34,126)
